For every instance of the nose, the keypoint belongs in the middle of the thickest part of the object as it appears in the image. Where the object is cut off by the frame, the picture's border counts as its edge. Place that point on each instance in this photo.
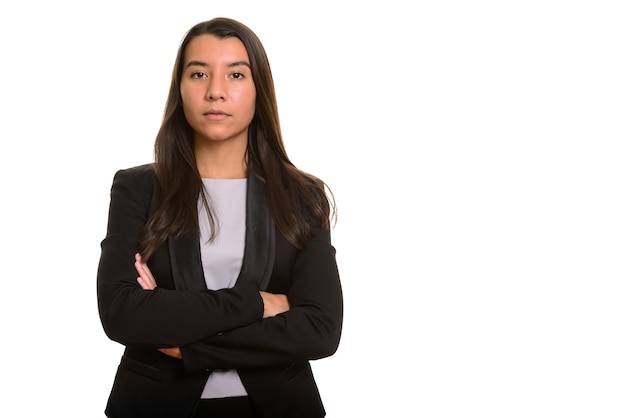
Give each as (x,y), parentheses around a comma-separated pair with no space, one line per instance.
(215,89)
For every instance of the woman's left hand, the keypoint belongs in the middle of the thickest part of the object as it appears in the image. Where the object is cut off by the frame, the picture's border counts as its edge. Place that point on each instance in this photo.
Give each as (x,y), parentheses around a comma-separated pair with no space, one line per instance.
(145,279)
(172,352)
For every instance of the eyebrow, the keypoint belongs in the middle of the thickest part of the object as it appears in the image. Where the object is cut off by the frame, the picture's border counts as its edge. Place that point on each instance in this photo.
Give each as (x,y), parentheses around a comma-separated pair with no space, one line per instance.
(204,64)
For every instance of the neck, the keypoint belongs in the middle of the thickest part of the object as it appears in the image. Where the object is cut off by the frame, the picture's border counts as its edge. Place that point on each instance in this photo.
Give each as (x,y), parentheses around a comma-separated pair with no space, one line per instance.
(221,160)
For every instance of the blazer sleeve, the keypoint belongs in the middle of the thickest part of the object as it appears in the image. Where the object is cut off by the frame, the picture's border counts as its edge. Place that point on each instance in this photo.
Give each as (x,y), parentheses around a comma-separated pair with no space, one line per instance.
(136,317)
(310,330)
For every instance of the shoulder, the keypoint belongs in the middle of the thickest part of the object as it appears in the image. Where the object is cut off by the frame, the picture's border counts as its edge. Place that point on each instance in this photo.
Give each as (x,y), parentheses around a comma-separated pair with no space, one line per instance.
(138,171)
(138,181)
(142,175)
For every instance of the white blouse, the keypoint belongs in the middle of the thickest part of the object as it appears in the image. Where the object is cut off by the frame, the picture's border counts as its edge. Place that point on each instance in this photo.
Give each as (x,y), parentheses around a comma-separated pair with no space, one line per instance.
(222,259)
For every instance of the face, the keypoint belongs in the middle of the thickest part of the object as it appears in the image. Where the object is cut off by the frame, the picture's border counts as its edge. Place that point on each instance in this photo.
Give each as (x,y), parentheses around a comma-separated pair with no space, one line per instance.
(217,89)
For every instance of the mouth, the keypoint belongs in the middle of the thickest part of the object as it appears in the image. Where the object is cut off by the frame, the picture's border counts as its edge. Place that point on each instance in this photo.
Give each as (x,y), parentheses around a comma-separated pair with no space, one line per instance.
(215,115)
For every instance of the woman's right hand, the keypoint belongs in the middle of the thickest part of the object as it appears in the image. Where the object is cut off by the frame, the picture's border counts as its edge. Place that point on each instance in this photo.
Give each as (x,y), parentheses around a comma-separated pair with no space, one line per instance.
(146,279)
(274,304)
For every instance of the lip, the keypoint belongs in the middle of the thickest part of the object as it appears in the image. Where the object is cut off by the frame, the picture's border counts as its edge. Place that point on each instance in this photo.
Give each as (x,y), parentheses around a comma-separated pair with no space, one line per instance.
(215,114)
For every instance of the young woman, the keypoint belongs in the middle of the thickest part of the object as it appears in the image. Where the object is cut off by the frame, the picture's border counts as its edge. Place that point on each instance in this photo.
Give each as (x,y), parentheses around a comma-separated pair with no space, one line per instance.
(217,272)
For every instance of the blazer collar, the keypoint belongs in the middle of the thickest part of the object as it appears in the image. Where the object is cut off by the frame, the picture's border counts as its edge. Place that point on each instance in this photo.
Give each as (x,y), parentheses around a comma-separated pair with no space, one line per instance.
(259,252)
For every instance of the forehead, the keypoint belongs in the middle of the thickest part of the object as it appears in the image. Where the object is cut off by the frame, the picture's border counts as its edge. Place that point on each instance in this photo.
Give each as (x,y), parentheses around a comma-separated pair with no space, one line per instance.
(214,50)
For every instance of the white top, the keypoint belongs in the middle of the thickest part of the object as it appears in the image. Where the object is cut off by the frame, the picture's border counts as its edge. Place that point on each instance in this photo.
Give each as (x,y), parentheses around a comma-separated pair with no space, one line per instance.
(222,259)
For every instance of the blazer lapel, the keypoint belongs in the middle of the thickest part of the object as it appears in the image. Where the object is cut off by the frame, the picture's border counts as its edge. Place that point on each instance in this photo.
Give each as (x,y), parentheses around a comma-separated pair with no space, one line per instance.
(258,258)
(186,262)
(259,252)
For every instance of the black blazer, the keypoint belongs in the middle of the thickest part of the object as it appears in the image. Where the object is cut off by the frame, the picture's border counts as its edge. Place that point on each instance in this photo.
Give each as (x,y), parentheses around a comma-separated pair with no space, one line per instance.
(220,329)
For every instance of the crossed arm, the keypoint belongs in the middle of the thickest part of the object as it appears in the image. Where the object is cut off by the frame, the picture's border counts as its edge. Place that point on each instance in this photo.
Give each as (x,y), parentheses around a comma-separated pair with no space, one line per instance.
(273,304)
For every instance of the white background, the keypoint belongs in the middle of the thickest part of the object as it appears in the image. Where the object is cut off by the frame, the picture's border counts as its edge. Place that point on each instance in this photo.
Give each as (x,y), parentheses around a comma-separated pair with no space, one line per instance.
(476,151)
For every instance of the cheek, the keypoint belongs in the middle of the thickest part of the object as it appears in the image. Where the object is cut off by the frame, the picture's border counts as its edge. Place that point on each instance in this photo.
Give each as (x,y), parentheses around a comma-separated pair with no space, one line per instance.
(183,91)
(252,103)
(188,102)
(183,98)
(245,97)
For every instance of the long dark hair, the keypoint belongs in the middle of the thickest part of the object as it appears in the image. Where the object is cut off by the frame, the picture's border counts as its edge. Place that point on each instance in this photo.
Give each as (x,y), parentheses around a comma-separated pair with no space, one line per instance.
(299,202)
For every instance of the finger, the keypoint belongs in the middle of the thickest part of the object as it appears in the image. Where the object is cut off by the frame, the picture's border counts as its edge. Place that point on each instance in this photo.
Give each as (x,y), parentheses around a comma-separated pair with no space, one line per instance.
(144,266)
(145,279)
(146,284)
(143,284)
(143,270)
(146,269)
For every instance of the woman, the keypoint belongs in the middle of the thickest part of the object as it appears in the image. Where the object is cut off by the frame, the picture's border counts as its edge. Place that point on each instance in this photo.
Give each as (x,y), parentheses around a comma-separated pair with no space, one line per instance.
(217,272)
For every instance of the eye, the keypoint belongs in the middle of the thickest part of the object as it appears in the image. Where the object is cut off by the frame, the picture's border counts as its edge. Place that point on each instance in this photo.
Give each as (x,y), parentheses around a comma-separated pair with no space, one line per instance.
(238,76)
(198,74)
